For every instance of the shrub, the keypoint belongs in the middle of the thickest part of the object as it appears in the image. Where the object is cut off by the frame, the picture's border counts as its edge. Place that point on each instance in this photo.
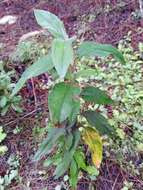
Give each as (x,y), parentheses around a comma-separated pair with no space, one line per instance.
(72,122)
(6,86)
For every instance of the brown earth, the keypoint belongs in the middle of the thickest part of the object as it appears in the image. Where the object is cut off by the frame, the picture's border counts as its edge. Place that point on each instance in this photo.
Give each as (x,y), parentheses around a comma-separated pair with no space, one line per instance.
(113,19)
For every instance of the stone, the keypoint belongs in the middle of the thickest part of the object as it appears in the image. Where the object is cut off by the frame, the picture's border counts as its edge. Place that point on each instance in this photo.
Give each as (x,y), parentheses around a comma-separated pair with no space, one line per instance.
(8,19)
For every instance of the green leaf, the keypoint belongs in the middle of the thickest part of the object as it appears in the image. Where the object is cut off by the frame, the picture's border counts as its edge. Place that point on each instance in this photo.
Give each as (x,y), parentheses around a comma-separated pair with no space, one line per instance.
(86,73)
(43,65)
(92,170)
(48,162)
(68,156)
(16,108)
(10,176)
(80,159)
(3,149)
(95,95)
(53,135)
(75,111)
(62,101)
(76,138)
(53,160)
(51,22)
(4,110)
(64,165)
(69,140)
(2,134)
(102,50)
(73,174)
(99,122)
(62,56)
(3,101)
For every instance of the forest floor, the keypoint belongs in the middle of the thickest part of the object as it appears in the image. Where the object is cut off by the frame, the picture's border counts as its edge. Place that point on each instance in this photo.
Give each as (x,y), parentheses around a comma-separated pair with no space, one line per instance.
(104,21)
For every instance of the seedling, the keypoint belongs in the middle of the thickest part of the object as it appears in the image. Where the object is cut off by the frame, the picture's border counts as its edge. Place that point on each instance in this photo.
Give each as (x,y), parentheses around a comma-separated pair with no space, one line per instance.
(6,86)
(72,123)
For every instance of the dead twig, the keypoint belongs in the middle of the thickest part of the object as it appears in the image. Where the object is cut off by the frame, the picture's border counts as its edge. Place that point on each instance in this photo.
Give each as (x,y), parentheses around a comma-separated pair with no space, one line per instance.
(34,93)
(21,118)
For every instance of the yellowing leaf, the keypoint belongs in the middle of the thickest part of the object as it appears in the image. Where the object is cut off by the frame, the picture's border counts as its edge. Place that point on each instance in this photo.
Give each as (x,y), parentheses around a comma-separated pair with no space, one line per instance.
(94,142)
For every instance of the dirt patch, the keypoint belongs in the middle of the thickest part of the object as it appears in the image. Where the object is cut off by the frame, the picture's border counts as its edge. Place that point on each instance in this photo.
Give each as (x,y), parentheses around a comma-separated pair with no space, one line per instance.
(112,19)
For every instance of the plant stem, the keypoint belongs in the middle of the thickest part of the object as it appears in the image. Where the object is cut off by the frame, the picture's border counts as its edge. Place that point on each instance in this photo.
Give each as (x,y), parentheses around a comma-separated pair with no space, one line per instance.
(141,7)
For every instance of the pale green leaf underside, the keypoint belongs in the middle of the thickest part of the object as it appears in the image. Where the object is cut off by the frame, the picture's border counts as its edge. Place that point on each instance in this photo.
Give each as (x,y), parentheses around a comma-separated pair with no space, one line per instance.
(102,50)
(62,102)
(62,56)
(43,65)
(51,22)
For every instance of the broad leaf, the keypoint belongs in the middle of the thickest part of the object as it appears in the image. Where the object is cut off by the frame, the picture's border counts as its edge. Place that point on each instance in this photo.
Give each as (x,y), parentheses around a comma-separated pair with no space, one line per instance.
(68,156)
(53,160)
(3,101)
(102,50)
(95,95)
(51,22)
(69,140)
(86,73)
(99,122)
(76,140)
(73,174)
(94,142)
(62,56)
(92,170)
(74,112)
(80,159)
(43,65)
(53,135)
(63,165)
(62,102)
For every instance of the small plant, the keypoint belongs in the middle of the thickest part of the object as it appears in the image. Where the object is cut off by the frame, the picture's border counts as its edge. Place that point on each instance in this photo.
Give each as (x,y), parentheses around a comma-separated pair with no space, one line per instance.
(127,185)
(6,86)
(72,123)
(11,174)
(27,51)
(24,51)
(3,148)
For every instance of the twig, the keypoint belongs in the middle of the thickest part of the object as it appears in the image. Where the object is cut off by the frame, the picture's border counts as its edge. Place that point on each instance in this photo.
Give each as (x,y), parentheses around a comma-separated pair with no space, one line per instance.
(34,93)
(20,118)
(115,181)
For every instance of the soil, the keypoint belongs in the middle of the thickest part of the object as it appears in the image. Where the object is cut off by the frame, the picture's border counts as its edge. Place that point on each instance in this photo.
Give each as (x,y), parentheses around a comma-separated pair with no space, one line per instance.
(113,19)
(105,21)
